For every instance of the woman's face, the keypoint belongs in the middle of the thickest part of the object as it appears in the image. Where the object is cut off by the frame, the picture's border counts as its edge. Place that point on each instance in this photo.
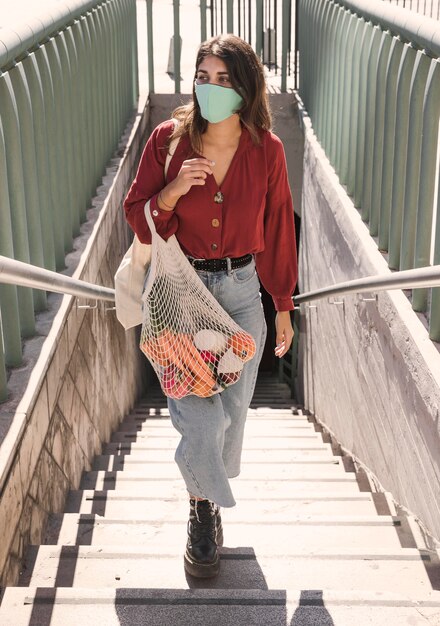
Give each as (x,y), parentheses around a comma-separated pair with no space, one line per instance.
(214,71)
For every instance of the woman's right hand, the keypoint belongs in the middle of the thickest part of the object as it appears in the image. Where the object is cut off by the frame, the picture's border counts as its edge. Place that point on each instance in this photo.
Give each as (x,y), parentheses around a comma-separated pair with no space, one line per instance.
(192,172)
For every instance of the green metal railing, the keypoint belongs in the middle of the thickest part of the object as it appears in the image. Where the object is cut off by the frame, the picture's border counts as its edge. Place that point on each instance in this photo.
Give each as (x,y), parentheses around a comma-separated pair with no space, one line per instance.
(370,81)
(256,21)
(430,8)
(67,90)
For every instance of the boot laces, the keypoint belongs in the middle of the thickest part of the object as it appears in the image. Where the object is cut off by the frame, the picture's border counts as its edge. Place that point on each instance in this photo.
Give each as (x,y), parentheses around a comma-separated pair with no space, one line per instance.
(205,516)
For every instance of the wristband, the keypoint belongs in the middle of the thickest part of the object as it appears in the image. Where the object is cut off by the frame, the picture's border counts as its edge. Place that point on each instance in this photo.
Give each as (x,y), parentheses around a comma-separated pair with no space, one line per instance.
(163,201)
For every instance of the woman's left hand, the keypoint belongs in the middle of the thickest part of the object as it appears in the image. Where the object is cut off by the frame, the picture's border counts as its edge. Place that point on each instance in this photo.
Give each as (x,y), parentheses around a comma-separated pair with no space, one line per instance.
(284,333)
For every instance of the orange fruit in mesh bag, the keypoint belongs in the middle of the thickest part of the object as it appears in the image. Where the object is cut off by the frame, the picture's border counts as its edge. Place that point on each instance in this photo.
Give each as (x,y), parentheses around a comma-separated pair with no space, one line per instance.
(154,352)
(243,345)
(202,389)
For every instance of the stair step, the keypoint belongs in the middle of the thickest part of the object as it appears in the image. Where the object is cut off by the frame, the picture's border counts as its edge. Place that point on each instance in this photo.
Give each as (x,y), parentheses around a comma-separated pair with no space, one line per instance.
(400,571)
(159,410)
(250,471)
(162,440)
(166,430)
(254,416)
(219,607)
(284,462)
(128,481)
(251,424)
(249,454)
(272,535)
(301,524)
(111,505)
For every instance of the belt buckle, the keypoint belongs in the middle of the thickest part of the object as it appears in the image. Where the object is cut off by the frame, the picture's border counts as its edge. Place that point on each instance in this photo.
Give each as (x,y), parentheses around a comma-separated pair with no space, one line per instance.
(193,261)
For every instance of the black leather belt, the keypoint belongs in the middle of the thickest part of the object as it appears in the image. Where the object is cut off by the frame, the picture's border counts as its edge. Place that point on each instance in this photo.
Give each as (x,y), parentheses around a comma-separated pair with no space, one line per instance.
(219,265)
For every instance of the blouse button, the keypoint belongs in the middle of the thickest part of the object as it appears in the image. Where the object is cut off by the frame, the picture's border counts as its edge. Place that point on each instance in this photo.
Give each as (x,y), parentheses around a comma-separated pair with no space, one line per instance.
(218,197)
(155,213)
(215,223)
(214,246)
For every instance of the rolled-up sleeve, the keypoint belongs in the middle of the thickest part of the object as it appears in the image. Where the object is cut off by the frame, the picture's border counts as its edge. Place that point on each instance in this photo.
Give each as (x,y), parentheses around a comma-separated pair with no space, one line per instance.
(146,186)
(277,264)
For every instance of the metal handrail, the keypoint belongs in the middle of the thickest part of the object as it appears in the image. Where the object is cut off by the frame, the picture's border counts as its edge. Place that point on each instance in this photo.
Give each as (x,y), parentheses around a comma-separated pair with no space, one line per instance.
(408,279)
(14,272)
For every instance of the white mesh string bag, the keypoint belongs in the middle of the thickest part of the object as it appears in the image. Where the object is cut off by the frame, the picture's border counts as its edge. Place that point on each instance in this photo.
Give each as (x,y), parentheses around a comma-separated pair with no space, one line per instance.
(194,346)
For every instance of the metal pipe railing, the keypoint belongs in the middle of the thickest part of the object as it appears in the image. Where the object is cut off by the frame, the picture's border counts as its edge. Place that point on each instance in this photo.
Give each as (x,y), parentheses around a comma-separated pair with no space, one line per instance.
(14,272)
(408,279)
(16,275)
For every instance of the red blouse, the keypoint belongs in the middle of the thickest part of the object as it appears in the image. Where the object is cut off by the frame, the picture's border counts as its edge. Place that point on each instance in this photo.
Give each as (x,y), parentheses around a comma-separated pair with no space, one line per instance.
(255,216)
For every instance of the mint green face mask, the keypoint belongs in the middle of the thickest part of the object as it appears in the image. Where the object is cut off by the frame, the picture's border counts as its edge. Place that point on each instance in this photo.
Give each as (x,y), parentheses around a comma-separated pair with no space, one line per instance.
(217,103)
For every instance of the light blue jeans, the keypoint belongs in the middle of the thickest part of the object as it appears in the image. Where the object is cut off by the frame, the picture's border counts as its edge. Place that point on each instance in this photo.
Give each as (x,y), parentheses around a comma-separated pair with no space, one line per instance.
(212,429)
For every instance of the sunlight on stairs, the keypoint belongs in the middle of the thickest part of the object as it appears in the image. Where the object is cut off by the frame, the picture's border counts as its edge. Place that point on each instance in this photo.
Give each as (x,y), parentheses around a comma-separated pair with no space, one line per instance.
(309,542)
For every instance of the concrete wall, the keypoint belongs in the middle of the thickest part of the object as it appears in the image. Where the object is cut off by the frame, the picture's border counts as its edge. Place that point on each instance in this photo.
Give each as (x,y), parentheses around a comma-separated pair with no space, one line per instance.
(88,374)
(371,374)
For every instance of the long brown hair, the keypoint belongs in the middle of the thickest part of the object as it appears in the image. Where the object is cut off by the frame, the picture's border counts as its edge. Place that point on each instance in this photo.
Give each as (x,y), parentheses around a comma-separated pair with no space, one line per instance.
(246,74)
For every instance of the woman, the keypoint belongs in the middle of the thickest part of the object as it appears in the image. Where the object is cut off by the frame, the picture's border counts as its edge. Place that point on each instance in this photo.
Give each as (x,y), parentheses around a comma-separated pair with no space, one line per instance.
(227,199)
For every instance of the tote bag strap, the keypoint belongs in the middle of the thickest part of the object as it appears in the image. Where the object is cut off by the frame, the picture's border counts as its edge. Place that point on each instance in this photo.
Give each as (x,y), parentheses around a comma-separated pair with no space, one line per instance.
(171,150)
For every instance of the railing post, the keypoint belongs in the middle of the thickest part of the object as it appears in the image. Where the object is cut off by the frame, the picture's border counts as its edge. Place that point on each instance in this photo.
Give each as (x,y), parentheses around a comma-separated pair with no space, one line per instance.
(434,325)
(13,152)
(53,158)
(113,77)
(78,121)
(379,132)
(95,56)
(353,125)
(412,175)
(101,43)
(348,93)
(69,128)
(151,45)
(400,154)
(342,86)
(370,121)
(59,140)
(428,166)
(42,163)
(9,315)
(176,6)
(3,388)
(395,55)
(30,177)
(259,27)
(330,78)
(230,16)
(284,44)
(88,156)
(203,36)
(134,56)
(318,74)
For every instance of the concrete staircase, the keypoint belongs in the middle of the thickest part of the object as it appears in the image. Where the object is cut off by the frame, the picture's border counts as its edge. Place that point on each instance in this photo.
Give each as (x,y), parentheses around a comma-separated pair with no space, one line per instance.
(308,544)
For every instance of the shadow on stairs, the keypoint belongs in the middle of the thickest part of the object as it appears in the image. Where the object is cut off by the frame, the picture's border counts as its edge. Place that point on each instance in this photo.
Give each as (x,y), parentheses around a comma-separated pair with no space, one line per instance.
(310,541)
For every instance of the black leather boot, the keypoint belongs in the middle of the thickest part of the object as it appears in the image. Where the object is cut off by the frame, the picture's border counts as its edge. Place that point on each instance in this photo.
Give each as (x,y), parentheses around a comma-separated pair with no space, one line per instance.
(219,527)
(201,557)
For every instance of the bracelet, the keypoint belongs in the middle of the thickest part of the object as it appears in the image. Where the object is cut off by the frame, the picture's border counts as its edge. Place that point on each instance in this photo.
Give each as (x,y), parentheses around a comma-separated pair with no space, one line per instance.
(163,201)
